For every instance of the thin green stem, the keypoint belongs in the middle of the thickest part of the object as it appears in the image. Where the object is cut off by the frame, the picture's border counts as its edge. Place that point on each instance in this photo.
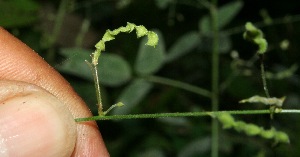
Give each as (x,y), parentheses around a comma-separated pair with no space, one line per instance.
(179,84)
(97,87)
(183,114)
(119,104)
(290,111)
(215,61)
(263,77)
(215,78)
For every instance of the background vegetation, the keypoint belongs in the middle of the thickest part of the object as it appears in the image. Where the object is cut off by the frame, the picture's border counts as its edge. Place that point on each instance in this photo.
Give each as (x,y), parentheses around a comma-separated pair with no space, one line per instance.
(65,32)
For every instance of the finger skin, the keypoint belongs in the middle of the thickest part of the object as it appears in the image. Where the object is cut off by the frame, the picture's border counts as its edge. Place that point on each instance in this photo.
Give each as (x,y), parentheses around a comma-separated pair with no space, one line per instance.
(19,62)
(34,122)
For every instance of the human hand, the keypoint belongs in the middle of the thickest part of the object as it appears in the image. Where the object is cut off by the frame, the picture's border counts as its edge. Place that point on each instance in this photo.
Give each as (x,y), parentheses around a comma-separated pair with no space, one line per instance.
(38,107)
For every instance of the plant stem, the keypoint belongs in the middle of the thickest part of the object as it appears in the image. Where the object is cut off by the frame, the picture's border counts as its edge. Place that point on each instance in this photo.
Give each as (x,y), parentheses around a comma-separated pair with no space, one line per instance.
(97,87)
(263,76)
(183,114)
(215,77)
(179,84)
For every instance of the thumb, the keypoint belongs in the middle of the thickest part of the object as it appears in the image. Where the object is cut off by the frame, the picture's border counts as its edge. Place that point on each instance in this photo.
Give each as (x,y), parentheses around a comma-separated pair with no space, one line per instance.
(33,122)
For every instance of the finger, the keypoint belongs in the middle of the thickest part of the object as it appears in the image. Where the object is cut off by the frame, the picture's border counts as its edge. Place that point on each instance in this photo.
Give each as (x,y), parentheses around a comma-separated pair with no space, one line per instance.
(19,62)
(34,122)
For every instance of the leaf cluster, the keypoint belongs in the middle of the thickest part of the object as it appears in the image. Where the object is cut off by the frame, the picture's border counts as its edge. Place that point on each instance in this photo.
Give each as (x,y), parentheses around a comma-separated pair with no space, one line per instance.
(250,129)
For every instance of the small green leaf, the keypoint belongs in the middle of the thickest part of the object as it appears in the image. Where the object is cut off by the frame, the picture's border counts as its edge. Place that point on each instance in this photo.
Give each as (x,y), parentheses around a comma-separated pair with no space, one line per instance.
(150,59)
(204,25)
(267,101)
(225,15)
(132,95)
(227,12)
(113,70)
(183,45)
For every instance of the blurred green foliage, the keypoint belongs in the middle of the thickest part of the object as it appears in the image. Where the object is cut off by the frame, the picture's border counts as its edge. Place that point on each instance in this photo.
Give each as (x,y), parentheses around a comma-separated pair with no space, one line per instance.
(18,13)
(183,54)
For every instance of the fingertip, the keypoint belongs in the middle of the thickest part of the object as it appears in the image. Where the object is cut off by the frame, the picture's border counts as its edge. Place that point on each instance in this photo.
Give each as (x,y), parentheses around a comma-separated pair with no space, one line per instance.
(34,122)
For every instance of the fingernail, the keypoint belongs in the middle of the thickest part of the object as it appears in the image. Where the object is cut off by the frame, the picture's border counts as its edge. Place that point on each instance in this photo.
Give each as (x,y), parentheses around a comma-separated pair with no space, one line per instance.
(33,122)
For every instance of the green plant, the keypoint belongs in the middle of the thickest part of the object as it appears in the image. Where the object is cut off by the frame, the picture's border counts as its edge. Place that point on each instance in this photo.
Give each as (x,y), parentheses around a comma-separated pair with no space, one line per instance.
(100,46)
(193,70)
(252,33)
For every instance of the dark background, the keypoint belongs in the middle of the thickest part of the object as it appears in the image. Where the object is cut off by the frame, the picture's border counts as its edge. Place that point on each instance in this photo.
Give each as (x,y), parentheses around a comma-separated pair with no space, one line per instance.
(33,22)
